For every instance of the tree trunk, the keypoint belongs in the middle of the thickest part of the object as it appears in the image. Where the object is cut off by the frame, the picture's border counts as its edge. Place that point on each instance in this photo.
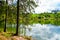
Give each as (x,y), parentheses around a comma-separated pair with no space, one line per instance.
(17,17)
(6,17)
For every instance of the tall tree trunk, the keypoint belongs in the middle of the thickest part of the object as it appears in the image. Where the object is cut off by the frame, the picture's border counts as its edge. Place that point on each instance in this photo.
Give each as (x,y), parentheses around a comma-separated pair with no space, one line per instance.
(6,18)
(17,17)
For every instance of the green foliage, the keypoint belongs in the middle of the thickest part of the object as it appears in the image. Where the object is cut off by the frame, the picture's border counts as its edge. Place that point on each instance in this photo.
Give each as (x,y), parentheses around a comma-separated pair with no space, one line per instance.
(47,18)
(26,17)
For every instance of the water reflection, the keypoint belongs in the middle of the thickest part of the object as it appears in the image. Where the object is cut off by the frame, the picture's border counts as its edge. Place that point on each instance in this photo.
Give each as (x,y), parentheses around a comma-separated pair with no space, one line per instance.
(44,32)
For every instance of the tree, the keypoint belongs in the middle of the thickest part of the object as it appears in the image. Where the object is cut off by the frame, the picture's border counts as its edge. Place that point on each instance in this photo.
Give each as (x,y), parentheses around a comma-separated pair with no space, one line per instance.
(23,6)
(17,17)
(27,6)
(6,16)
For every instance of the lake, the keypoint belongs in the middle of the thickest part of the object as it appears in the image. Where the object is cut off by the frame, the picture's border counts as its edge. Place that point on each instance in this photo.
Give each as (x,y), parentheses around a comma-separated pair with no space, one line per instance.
(41,31)
(44,32)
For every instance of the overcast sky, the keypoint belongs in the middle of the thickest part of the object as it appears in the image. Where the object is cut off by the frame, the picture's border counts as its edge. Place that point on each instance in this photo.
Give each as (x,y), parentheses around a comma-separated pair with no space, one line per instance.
(47,5)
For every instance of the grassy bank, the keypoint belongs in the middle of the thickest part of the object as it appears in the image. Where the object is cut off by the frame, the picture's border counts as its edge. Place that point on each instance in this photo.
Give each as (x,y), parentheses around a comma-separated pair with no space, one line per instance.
(8,36)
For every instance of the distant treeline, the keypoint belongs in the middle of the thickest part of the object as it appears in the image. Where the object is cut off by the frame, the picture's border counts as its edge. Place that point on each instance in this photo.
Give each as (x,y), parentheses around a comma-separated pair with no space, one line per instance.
(47,18)
(30,18)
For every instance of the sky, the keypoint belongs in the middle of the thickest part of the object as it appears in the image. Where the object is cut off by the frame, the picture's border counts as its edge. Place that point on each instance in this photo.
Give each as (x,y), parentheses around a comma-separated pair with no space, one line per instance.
(47,6)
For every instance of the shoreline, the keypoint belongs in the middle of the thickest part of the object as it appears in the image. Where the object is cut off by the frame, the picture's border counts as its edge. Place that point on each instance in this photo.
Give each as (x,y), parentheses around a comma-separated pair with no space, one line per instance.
(5,36)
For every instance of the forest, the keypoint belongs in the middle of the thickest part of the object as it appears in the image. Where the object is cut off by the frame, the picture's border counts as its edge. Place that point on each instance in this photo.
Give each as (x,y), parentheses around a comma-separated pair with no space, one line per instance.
(13,15)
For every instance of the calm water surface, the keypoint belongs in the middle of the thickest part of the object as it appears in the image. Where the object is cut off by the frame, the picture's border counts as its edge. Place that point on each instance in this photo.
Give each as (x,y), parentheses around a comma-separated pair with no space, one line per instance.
(44,32)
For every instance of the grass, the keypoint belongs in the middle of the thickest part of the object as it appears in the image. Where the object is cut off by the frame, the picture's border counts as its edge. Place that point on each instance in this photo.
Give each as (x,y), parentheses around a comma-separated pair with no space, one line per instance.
(8,35)
(9,31)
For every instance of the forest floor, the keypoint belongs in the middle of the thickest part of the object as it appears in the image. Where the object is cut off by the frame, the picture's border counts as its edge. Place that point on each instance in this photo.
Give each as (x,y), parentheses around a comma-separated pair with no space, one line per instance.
(7,36)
